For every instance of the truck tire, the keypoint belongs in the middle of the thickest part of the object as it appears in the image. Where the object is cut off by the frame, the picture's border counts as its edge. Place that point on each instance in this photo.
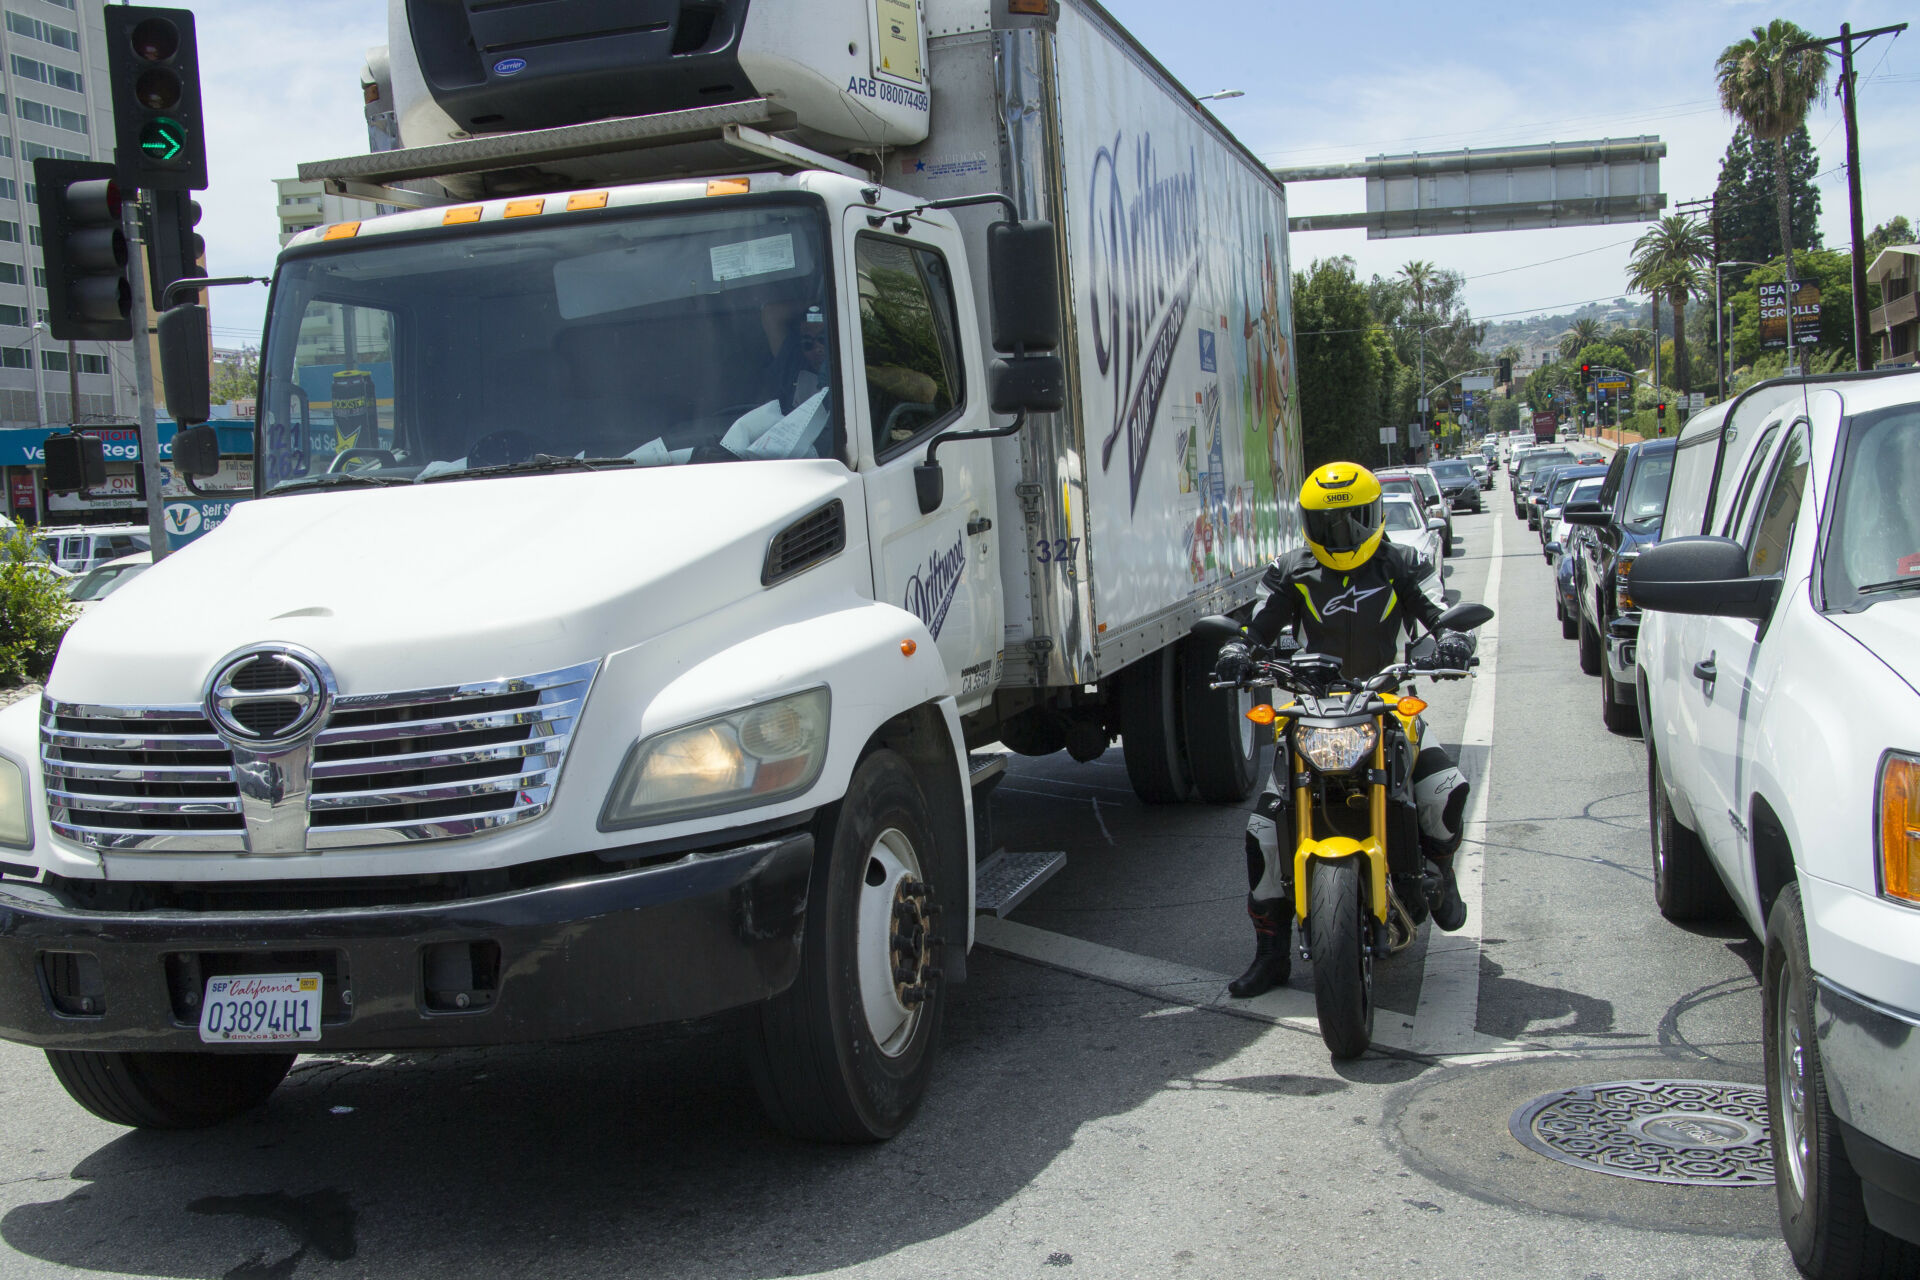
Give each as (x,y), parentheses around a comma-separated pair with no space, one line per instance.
(1569,624)
(1685,885)
(1338,924)
(1823,1213)
(1590,655)
(1223,746)
(168,1090)
(845,1053)
(1619,717)
(1149,698)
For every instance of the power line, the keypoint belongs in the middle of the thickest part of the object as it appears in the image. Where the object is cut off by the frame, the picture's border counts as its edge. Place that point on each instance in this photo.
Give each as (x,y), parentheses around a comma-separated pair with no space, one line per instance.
(1548,261)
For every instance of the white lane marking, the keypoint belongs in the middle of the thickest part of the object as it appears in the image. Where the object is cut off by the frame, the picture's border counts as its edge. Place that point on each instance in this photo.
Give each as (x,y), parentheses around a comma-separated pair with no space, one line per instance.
(1450,983)
(1095,802)
(1180,984)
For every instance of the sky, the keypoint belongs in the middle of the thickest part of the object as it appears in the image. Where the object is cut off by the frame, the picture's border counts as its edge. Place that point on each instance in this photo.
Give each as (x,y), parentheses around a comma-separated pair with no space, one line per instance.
(1323,84)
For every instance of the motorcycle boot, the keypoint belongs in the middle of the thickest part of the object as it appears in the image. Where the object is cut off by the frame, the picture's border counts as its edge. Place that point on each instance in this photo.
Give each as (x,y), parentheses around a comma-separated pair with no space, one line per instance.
(1272,949)
(1441,793)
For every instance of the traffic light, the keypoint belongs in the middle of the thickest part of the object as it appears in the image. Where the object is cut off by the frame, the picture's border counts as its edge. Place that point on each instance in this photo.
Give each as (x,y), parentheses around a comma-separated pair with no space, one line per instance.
(1506,370)
(89,298)
(1586,370)
(154,62)
(174,250)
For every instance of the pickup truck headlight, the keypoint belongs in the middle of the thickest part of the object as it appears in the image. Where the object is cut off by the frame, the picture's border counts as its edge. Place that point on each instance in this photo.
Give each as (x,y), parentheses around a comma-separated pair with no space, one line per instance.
(753,756)
(16,827)
(1900,828)
(1335,749)
(1622,589)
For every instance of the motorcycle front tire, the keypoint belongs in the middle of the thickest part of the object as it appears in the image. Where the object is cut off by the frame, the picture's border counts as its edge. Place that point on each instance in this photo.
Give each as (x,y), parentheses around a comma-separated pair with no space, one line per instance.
(1338,926)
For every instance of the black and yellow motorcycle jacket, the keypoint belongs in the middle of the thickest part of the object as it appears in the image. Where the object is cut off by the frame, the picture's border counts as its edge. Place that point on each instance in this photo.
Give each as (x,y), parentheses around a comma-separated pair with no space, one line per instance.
(1357,615)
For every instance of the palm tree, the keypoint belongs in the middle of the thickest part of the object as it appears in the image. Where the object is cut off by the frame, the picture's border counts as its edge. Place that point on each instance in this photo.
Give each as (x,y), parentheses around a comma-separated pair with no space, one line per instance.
(1585,332)
(1667,263)
(1419,276)
(1767,85)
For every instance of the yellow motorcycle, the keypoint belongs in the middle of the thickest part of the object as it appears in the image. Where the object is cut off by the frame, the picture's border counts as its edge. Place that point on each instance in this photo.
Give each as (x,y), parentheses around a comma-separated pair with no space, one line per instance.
(1347,747)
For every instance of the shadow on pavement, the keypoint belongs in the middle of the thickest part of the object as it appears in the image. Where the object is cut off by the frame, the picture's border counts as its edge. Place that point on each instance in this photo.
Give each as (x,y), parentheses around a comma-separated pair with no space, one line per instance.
(642,1155)
(1512,1009)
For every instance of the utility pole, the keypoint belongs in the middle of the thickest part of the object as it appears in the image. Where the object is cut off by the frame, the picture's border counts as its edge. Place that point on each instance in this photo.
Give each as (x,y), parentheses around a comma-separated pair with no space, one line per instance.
(1849,91)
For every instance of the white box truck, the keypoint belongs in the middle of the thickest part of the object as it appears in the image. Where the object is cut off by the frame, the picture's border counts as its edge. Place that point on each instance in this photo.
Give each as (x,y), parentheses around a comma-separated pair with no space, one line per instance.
(608,643)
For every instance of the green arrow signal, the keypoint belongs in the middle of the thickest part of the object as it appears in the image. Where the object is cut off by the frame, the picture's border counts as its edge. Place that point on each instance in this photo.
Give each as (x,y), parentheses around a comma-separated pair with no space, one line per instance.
(162,139)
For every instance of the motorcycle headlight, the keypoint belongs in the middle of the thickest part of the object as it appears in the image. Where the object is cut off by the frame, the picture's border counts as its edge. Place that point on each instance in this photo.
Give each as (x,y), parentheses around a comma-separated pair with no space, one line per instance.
(1337,749)
(754,756)
(16,827)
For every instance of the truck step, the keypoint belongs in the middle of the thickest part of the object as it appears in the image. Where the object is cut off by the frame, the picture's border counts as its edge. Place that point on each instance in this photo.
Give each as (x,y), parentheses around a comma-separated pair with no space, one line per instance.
(985,767)
(1006,880)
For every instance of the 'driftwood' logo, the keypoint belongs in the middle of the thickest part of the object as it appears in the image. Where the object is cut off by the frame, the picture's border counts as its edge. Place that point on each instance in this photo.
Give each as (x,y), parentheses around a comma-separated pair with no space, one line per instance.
(930,590)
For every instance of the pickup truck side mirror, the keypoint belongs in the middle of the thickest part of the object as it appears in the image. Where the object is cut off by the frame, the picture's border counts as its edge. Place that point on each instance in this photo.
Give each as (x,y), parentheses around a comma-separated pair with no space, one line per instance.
(1587,513)
(184,363)
(1703,576)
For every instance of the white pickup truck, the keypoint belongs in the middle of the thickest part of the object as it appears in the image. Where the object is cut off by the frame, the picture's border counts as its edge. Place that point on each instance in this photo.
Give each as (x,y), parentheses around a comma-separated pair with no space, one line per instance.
(1779,683)
(606,642)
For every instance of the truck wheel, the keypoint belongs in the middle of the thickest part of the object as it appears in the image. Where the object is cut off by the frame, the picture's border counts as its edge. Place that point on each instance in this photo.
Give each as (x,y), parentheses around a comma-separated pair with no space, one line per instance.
(1150,729)
(1685,885)
(1590,655)
(1223,746)
(1569,624)
(1338,925)
(845,1053)
(168,1090)
(1618,716)
(1822,1211)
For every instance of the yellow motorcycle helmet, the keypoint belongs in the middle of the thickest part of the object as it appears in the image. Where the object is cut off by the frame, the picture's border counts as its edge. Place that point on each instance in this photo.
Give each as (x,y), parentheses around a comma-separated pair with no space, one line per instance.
(1340,511)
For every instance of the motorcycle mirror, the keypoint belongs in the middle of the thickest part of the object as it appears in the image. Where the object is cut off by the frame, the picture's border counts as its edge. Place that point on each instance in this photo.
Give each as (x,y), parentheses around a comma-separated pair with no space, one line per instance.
(1217,627)
(1464,617)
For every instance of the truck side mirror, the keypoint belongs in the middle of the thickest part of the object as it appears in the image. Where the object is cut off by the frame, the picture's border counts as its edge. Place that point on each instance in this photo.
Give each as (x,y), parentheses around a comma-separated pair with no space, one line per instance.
(184,364)
(1030,384)
(75,463)
(1703,576)
(1587,513)
(196,452)
(1024,267)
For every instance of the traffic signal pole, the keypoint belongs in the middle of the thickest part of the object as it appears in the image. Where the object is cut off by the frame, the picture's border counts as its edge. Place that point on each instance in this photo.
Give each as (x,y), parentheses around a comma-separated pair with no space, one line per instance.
(143,370)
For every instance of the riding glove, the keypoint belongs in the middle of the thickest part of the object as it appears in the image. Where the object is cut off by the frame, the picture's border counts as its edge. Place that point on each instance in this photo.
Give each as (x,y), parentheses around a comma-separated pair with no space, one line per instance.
(1235,663)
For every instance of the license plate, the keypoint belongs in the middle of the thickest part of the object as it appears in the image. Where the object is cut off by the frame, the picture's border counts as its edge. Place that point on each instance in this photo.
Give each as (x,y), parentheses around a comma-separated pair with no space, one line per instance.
(261,1008)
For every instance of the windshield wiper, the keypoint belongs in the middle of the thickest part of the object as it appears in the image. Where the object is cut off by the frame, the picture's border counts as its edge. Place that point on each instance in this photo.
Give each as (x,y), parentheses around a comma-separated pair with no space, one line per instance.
(1892,584)
(337,479)
(537,463)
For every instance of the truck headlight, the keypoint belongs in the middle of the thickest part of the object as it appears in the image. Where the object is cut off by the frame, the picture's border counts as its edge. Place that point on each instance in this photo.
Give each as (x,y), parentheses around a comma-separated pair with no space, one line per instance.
(753,756)
(1335,749)
(16,827)
(1622,589)
(1900,828)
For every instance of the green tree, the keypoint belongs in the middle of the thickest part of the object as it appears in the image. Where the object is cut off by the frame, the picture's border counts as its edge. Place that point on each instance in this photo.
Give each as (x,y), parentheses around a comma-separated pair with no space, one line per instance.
(1504,417)
(1831,270)
(1666,264)
(1419,277)
(1339,366)
(1586,329)
(236,378)
(1898,231)
(1768,84)
(1744,197)
(34,610)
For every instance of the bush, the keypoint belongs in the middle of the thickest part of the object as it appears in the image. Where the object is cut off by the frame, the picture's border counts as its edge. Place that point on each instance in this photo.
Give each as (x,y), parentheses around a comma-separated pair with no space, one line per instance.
(34,611)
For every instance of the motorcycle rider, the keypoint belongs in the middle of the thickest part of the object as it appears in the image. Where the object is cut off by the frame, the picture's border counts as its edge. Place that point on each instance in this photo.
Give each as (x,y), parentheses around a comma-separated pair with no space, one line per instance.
(1350,594)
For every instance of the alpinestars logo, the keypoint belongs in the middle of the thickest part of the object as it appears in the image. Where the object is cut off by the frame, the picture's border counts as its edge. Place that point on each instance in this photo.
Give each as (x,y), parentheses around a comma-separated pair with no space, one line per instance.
(930,590)
(1348,601)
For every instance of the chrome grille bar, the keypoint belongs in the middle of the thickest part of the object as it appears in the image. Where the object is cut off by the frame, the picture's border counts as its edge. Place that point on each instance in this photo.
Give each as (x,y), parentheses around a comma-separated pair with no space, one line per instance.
(116,778)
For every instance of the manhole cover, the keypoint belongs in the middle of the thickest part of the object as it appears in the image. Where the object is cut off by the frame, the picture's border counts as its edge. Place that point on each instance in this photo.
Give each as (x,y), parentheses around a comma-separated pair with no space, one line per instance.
(1702,1133)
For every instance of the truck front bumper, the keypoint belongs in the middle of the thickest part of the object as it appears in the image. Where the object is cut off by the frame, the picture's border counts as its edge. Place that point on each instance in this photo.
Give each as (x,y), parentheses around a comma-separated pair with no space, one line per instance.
(695,936)
(1623,643)
(1871,1055)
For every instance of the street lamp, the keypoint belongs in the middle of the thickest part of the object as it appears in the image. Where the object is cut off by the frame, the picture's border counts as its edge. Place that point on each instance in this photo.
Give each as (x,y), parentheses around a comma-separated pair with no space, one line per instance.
(1221,96)
(1719,350)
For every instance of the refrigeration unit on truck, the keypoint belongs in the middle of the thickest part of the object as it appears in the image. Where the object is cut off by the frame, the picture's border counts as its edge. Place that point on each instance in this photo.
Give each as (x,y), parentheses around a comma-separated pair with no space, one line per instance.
(744,422)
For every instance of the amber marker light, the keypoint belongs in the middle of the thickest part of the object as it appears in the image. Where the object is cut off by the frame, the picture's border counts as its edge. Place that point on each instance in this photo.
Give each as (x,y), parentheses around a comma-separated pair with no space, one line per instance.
(465,213)
(341,231)
(909,648)
(586,200)
(1263,714)
(1900,828)
(525,208)
(1412,706)
(729,186)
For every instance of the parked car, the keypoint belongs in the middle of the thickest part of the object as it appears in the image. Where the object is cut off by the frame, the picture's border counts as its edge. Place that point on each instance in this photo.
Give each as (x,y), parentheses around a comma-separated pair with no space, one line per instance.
(1624,519)
(1525,467)
(1482,472)
(1590,457)
(98,583)
(1539,487)
(80,549)
(1570,484)
(1409,525)
(1426,488)
(1566,604)
(1458,484)
(1779,680)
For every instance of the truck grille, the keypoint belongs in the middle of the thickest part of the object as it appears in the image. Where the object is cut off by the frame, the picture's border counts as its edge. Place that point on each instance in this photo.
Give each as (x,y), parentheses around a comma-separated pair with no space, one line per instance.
(156,778)
(384,768)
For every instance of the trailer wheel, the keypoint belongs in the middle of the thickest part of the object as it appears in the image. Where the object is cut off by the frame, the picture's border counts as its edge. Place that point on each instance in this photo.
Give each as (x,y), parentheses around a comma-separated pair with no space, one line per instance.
(845,1053)
(1223,746)
(168,1090)
(1149,698)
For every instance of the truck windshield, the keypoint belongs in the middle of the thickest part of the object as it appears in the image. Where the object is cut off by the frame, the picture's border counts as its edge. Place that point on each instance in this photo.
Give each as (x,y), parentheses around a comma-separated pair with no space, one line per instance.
(1647,495)
(649,339)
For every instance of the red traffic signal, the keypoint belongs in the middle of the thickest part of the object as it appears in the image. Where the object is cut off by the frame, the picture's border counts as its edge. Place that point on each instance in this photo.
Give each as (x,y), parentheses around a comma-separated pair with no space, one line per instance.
(1585,369)
(1660,410)
(89,297)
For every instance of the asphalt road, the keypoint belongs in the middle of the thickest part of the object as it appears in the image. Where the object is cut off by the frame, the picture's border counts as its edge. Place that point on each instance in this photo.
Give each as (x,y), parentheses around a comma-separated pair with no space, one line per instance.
(1101,1108)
